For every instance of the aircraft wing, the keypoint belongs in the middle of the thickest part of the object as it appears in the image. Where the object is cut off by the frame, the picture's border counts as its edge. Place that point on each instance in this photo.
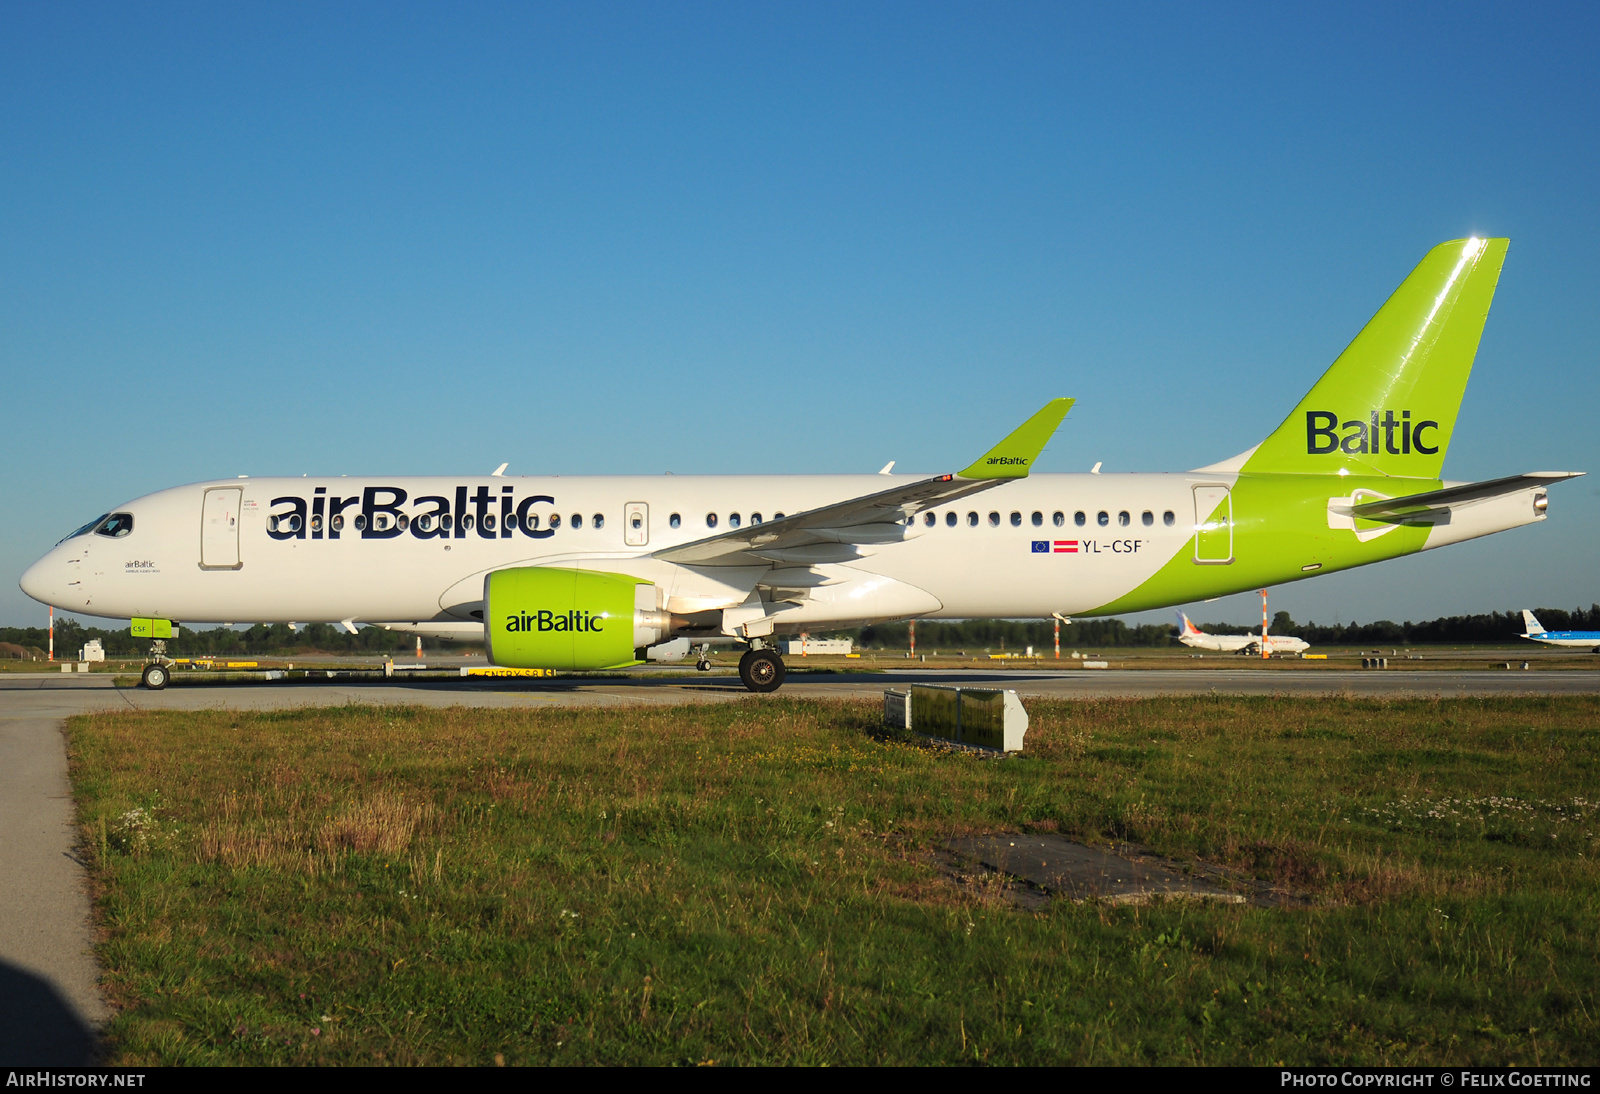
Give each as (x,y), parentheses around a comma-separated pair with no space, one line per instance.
(1412,505)
(829,533)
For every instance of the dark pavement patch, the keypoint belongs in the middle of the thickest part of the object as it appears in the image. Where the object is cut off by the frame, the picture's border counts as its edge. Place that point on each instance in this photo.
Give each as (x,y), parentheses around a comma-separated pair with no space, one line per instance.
(1121,874)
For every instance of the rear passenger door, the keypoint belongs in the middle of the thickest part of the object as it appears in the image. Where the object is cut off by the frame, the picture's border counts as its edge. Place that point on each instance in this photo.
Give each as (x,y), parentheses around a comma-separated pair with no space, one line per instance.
(1213,525)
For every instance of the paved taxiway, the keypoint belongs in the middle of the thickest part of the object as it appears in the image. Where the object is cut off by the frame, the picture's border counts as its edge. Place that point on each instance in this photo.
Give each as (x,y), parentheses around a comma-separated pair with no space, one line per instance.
(51,696)
(49,996)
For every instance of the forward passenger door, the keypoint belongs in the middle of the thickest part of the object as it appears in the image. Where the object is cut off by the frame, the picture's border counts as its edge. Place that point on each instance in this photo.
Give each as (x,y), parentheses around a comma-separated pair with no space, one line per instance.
(219,529)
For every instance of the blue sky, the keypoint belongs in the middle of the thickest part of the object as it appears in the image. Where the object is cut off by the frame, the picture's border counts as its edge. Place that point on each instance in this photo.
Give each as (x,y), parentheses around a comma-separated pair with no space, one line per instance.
(749,238)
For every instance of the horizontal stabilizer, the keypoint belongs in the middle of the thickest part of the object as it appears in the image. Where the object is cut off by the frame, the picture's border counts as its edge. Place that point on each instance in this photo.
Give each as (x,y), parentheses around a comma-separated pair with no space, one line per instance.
(1412,504)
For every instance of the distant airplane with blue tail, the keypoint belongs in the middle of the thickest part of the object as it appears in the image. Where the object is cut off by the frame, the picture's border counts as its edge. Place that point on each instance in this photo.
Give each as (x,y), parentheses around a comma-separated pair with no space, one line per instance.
(1559,638)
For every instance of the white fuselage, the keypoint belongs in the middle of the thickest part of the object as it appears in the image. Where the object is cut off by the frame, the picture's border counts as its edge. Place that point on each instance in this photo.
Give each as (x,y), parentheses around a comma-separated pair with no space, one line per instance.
(1234,643)
(1572,639)
(989,563)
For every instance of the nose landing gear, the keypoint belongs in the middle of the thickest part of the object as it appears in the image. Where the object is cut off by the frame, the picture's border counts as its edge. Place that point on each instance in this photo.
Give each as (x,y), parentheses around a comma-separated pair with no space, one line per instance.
(761,670)
(156,674)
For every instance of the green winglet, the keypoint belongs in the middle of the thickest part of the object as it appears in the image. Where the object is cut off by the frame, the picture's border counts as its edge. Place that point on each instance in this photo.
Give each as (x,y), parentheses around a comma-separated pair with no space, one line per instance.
(1011,458)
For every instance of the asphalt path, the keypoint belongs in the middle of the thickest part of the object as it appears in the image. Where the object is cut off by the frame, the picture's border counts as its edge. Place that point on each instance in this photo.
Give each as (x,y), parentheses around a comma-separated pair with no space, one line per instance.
(50,999)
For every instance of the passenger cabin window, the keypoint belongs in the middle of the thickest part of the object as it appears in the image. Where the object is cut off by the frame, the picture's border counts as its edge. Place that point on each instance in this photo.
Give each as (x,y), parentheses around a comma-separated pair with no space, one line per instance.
(116,525)
(1103,518)
(401,522)
(488,521)
(533,521)
(755,518)
(777,516)
(950,519)
(1038,519)
(929,519)
(994,520)
(1147,518)
(1123,519)
(1079,518)
(361,522)
(675,520)
(381,522)
(555,521)
(577,520)
(597,521)
(316,523)
(445,520)
(337,522)
(1059,518)
(972,520)
(1168,518)
(1016,520)
(511,520)
(733,520)
(466,521)
(711,520)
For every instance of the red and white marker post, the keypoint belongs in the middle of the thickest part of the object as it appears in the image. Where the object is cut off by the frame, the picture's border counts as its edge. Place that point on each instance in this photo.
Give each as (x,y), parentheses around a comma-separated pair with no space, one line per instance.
(1264,649)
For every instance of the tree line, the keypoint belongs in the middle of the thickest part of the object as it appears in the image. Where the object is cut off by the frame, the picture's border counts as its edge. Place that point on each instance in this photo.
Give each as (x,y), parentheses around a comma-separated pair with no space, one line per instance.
(965,634)
(262,638)
(1017,635)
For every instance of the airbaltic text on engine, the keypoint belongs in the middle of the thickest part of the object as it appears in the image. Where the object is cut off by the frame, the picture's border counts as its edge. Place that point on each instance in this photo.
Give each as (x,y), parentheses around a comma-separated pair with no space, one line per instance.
(551,621)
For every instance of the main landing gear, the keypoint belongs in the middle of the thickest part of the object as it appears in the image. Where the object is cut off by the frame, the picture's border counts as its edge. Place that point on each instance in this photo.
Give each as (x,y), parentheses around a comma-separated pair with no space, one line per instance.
(762,670)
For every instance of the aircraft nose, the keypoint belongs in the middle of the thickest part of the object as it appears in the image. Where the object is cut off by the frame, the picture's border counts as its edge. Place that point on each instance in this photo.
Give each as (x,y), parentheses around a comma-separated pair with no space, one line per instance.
(41,581)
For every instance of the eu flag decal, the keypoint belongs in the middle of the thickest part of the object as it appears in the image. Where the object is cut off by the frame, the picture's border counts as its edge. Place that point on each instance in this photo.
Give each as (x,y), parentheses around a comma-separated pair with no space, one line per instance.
(1041,546)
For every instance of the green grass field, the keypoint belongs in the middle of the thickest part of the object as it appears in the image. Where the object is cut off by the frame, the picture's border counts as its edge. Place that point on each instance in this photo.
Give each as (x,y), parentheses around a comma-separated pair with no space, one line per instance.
(758,882)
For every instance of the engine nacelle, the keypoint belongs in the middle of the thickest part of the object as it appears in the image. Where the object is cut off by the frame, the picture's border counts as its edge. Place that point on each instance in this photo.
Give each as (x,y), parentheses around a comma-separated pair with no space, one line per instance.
(542,617)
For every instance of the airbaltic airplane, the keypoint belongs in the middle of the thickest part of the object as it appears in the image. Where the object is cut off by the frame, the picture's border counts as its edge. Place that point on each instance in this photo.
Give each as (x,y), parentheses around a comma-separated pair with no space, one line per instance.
(587,573)
(1559,638)
(1192,636)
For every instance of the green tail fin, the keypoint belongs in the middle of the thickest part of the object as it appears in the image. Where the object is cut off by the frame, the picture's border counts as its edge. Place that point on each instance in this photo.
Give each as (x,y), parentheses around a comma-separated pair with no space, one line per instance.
(1388,405)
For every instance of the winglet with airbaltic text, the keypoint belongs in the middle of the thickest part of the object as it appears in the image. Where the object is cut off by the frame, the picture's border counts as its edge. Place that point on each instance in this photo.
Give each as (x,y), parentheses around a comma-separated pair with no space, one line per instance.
(1012,457)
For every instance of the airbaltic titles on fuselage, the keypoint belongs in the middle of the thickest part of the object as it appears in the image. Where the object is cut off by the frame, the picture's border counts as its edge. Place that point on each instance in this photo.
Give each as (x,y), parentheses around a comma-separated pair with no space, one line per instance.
(380,512)
(379,515)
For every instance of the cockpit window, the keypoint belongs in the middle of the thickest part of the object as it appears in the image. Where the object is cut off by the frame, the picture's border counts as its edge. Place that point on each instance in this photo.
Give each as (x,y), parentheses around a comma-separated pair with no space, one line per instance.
(115,526)
(87,528)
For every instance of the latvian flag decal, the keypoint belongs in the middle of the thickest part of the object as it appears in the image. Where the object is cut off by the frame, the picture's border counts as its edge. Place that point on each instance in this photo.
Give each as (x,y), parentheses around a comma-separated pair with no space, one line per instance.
(1061,546)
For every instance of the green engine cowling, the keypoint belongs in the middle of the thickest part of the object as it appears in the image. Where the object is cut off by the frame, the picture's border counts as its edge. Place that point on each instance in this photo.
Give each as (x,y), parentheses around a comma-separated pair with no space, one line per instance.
(542,617)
